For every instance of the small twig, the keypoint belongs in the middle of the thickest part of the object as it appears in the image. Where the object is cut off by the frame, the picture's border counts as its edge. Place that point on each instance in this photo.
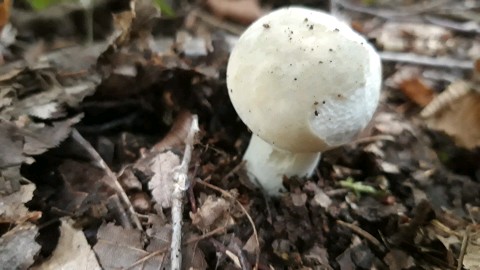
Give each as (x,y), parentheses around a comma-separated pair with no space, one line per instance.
(188,242)
(466,27)
(234,252)
(114,181)
(122,215)
(252,223)
(389,13)
(361,232)
(233,171)
(373,139)
(181,185)
(411,58)
(463,249)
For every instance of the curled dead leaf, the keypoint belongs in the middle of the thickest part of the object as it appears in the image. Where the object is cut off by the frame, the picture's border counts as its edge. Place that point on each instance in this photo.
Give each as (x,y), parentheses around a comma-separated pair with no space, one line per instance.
(460,120)
(212,214)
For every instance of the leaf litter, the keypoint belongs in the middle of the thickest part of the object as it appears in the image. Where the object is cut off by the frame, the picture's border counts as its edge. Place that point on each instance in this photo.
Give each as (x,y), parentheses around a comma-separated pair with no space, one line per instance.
(89,146)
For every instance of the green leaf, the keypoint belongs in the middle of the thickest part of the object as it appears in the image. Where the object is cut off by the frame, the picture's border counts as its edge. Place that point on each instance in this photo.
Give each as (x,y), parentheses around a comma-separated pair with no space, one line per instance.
(42,4)
(358,187)
(165,8)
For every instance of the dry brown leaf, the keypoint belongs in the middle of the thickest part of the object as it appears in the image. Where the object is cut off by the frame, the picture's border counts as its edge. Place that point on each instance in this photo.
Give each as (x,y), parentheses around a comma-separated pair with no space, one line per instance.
(4,13)
(417,91)
(119,248)
(320,198)
(454,91)
(213,213)
(240,11)
(18,247)
(162,181)
(12,206)
(72,251)
(397,260)
(471,261)
(12,140)
(460,120)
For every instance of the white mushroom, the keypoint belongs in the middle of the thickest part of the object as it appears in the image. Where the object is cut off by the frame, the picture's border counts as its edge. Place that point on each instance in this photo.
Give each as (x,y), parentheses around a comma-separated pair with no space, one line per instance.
(303,82)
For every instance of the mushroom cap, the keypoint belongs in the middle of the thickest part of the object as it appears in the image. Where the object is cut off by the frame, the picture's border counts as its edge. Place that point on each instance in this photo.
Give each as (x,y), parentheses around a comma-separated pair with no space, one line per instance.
(303,81)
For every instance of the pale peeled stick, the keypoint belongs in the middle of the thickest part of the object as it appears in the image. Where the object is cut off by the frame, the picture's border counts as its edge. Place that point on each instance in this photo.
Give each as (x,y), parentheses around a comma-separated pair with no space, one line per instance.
(303,81)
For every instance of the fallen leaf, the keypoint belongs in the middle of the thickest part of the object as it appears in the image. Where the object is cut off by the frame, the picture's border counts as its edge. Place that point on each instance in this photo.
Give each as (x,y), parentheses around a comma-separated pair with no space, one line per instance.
(454,91)
(320,198)
(471,261)
(19,143)
(12,206)
(21,238)
(417,91)
(213,213)
(241,11)
(4,13)
(397,260)
(162,181)
(72,251)
(119,248)
(318,256)
(460,120)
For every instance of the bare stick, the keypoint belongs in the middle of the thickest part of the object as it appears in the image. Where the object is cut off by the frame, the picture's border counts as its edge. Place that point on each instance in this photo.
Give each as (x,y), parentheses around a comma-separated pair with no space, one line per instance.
(463,249)
(181,185)
(411,58)
(361,232)
(113,178)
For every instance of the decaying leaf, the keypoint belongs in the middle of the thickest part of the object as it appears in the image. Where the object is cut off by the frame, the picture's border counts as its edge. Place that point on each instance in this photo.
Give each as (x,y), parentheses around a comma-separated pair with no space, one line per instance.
(119,248)
(320,198)
(35,139)
(72,251)
(460,120)
(397,260)
(454,91)
(471,261)
(20,238)
(213,213)
(133,30)
(12,208)
(162,181)
(417,91)
(4,12)
(243,11)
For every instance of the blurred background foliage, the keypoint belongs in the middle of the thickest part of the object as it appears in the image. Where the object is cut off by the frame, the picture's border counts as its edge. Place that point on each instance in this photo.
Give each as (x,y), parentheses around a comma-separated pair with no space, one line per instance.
(163,5)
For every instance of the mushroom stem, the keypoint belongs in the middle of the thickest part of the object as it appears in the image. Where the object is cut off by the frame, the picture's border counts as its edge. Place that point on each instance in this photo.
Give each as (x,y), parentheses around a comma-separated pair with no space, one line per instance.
(268,164)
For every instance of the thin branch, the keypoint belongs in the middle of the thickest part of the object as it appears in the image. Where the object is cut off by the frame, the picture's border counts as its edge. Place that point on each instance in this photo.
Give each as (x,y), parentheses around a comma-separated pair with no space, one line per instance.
(389,13)
(361,232)
(463,249)
(411,58)
(181,185)
(252,223)
(113,178)
(466,27)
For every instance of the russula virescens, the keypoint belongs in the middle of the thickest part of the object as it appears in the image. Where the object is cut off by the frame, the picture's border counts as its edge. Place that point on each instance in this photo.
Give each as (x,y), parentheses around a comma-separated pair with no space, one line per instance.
(303,82)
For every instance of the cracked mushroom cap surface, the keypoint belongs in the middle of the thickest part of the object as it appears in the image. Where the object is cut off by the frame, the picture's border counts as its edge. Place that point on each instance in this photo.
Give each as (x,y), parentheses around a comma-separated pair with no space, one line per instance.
(303,81)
